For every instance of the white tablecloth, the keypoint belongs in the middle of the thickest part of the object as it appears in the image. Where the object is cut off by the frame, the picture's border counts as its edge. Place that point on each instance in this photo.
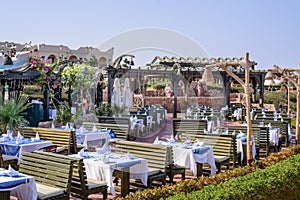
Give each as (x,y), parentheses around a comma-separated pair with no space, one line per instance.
(187,158)
(237,113)
(30,147)
(25,191)
(97,170)
(240,144)
(93,137)
(274,135)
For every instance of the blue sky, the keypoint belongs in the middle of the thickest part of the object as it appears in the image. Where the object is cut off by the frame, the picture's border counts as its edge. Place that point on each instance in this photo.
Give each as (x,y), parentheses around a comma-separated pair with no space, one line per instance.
(268,29)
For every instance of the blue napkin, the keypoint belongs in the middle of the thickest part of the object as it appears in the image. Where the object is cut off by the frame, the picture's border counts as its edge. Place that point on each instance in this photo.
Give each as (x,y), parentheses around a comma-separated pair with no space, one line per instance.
(200,150)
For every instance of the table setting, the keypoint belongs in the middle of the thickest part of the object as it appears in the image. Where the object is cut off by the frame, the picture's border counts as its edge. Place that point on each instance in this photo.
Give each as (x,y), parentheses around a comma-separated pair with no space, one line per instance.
(190,152)
(101,164)
(16,184)
(14,146)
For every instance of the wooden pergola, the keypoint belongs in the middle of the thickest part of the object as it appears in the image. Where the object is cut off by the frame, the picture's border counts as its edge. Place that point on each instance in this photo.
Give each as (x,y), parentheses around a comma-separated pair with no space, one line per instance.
(176,69)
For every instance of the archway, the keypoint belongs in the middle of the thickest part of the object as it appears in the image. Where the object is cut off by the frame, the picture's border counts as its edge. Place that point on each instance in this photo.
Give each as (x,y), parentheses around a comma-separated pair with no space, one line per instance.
(102,62)
(52,58)
(72,57)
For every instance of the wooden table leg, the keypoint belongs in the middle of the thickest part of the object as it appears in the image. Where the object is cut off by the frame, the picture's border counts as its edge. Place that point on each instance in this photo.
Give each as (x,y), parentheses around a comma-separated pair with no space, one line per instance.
(125,181)
(199,169)
(5,195)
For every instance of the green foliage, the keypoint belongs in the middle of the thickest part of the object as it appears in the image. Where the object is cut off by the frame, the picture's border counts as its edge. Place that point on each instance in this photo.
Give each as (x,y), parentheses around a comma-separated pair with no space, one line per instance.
(103,110)
(189,186)
(118,110)
(64,115)
(12,113)
(280,181)
(159,87)
(274,97)
(237,90)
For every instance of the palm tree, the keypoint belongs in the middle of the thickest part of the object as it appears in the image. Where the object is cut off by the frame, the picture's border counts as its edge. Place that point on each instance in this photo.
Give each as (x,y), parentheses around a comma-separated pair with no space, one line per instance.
(12,113)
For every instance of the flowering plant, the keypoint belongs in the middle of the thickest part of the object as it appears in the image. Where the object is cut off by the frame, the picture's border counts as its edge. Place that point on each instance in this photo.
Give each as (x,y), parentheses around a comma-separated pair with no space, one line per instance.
(47,72)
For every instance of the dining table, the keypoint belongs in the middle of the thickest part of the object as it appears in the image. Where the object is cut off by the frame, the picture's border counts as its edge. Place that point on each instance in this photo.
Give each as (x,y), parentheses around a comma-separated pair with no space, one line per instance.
(18,185)
(102,170)
(96,138)
(14,148)
(189,154)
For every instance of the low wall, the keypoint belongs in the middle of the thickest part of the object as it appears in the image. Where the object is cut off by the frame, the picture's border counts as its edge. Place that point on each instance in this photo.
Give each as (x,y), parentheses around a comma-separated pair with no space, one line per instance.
(215,102)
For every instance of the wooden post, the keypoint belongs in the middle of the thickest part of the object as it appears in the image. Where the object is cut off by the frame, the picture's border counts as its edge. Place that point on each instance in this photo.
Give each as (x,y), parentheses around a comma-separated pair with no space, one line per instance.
(246,64)
(248,105)
(298,106)
(288,98)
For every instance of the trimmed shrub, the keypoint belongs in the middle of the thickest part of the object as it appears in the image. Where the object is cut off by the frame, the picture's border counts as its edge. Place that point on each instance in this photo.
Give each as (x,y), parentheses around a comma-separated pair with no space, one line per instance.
(188,186)
(280,181)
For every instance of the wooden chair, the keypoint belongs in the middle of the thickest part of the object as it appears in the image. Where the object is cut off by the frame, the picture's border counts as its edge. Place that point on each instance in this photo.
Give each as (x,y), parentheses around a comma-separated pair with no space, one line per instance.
(224,147)
(6,160)
(156,155)
(189,126)
(81,186)
(60,138)
(52,174)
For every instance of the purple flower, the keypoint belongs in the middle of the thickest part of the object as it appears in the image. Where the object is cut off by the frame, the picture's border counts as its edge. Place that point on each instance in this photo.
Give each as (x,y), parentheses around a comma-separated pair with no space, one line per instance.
(54,86)
(34,62)
(46,69)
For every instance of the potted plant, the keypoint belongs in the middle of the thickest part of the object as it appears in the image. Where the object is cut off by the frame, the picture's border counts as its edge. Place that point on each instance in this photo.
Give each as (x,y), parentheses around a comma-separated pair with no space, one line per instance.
(64,115)
(12,113)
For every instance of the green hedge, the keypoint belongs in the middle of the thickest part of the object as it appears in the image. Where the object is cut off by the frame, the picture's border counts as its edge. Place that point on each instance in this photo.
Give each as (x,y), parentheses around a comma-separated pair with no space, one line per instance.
(280,181)
(192,185)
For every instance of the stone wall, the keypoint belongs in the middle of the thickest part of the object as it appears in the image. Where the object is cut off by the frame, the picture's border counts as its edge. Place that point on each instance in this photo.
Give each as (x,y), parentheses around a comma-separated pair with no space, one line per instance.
(215,102)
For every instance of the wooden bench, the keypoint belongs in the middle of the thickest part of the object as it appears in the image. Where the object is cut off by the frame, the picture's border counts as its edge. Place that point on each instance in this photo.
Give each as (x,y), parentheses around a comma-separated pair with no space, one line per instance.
(120,129)
(189,126)
(156,155)
(283,125)
(255,133)
(224,147)
(60,138)
(52,174)
(173,168)
(81,186)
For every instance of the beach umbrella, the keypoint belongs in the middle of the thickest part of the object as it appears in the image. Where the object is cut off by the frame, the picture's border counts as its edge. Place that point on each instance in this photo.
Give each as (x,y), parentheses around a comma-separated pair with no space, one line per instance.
(127,98)
(116,97)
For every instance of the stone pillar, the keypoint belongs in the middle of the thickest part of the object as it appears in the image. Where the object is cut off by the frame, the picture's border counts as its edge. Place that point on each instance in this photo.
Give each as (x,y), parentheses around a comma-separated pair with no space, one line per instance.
(111,76)
(261,92)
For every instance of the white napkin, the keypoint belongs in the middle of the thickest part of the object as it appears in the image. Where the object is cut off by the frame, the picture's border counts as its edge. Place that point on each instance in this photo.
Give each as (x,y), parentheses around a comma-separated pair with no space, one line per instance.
(37,136)
(81,129)
(199,143)
(19,138)
(269,125)
(156,141)
(52,126)
(81,153)
(130,156)
(241,133)
(10,172)
(218,122)
(94,128)
(105,158)
(103,149)
(10,134)
(171,140)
